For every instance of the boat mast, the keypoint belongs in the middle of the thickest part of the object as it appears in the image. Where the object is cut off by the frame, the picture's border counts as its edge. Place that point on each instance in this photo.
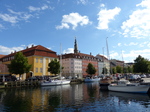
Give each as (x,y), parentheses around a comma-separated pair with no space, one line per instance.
(122,61)
(60,60)
(108,55)
(103,62)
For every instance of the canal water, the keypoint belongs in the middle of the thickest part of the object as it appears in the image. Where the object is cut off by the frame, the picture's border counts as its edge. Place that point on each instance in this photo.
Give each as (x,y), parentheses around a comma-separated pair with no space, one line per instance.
(85,97)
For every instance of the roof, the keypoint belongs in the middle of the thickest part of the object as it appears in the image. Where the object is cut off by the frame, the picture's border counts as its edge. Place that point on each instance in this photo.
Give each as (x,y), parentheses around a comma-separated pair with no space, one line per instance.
(2,55)
(79,56)
(35,50)
(102,57)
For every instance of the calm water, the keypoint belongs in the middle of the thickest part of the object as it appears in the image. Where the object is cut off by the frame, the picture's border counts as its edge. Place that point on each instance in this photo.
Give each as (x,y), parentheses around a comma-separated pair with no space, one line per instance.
(71,98)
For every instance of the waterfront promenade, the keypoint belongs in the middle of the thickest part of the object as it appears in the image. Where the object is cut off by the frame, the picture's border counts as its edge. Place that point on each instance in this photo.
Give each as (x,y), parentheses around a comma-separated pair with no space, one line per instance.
(11,84)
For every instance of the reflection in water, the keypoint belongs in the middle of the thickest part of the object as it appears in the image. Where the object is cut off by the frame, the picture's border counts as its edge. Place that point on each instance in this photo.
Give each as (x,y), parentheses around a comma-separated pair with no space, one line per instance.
(70,98)
(127,98)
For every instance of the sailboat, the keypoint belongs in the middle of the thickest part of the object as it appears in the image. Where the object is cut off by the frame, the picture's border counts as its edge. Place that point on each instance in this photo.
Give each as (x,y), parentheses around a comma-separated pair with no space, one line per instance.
(104,83)
(56,82)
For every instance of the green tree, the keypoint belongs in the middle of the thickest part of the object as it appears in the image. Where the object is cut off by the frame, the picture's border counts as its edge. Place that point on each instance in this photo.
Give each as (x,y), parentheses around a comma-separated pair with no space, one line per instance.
(141,65)
(125,70)
(104,71)
(54,67)
(90,69)
(119,69)
(130,69)
(19,65)
(114,70)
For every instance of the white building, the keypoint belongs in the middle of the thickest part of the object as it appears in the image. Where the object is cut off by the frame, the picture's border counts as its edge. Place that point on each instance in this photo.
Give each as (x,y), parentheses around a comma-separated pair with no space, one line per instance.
(72,66)
(104,63)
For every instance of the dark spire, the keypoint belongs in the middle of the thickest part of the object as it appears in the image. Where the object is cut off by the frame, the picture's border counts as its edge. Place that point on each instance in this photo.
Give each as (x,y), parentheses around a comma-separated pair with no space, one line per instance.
(75,46)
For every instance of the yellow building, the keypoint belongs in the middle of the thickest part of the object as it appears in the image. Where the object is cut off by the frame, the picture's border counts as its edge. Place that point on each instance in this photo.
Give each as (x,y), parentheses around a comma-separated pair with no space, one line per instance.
(38,56)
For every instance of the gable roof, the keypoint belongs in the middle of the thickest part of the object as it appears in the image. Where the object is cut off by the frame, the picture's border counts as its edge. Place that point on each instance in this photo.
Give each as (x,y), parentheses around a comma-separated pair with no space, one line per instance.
(79,56)
(35,50)
(2,55)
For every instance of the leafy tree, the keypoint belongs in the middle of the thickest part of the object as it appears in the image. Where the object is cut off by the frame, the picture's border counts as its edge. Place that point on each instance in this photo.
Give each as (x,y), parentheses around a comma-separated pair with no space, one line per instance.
(105,71)
(141,65)
(130,69)
(119,69)
(125,70)
(114,70)
(19,64)
(90,69)
(54,67)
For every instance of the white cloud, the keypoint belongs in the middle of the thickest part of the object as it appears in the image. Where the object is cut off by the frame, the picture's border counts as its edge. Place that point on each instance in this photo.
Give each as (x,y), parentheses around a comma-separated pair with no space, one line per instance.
(32,9)
(104,17)
(7,50)
(102,5)
(130,56)
(131,44)
(144,3)
(63,25)
(69,50)
(137,25)
(1,26)
(119,44)
(82,2)
(9,18)
(74,19)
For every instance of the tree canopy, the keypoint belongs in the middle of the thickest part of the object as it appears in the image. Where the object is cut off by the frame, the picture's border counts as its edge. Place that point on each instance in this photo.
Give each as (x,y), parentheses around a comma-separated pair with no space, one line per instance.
(141,65)
(90,69)
(19,65)
(105,70)
(54,67)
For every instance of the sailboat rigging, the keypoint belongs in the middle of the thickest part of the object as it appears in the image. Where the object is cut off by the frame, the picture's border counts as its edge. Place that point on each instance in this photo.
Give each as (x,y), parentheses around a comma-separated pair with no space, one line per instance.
(58,81)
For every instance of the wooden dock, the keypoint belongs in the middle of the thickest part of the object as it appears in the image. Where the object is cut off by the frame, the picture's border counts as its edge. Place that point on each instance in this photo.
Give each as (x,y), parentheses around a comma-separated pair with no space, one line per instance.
(11,84)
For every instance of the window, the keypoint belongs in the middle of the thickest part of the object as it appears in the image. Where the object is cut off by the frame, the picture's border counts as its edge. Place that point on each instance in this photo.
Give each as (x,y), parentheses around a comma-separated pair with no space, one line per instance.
(41,70)
(41,60)
(36,60)
(36,70)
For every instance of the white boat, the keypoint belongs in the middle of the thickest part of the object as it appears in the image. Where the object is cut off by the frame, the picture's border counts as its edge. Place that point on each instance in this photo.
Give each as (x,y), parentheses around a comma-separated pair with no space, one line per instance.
(92,79)
(126,86)
(55,82)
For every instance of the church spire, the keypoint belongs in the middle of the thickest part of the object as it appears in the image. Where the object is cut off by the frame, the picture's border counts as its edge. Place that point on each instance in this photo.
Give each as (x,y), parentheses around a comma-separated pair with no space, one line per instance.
(75,46)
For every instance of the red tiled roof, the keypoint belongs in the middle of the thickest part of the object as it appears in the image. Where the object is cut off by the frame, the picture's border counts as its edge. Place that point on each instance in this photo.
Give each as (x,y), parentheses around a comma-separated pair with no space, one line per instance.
(79,56)
(36,50)
(102,56)
(2,55)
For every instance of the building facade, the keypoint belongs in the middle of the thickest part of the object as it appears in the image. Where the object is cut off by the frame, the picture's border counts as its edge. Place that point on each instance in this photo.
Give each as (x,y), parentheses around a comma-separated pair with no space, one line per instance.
(103,63)
(38,56)
(75,64)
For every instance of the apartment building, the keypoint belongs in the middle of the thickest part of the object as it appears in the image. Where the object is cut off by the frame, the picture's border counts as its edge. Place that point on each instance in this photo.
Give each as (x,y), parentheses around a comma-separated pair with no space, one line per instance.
(38,56)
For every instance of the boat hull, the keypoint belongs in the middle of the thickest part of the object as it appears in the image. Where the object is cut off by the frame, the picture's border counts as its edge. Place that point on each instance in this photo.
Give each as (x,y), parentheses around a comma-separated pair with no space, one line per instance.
(92,80)
(55,83)
(129,89)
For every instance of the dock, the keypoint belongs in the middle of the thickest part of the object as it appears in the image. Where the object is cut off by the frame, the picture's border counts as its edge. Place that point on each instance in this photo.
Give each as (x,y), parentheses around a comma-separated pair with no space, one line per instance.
(11,84)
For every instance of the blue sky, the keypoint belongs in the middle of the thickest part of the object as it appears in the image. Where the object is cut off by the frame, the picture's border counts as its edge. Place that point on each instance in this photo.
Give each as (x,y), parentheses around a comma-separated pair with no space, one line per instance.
(123,23)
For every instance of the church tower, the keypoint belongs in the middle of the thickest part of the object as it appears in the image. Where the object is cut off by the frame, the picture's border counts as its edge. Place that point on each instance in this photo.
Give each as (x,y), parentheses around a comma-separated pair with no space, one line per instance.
(75,47)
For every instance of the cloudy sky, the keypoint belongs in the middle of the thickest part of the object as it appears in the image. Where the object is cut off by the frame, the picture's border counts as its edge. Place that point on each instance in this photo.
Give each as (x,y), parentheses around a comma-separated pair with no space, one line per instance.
(123,24)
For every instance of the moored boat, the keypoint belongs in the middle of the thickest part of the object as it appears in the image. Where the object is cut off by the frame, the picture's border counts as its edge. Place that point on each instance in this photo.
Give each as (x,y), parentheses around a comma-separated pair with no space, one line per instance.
(55,82)
(126,86)
(92,79)
(104,83)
